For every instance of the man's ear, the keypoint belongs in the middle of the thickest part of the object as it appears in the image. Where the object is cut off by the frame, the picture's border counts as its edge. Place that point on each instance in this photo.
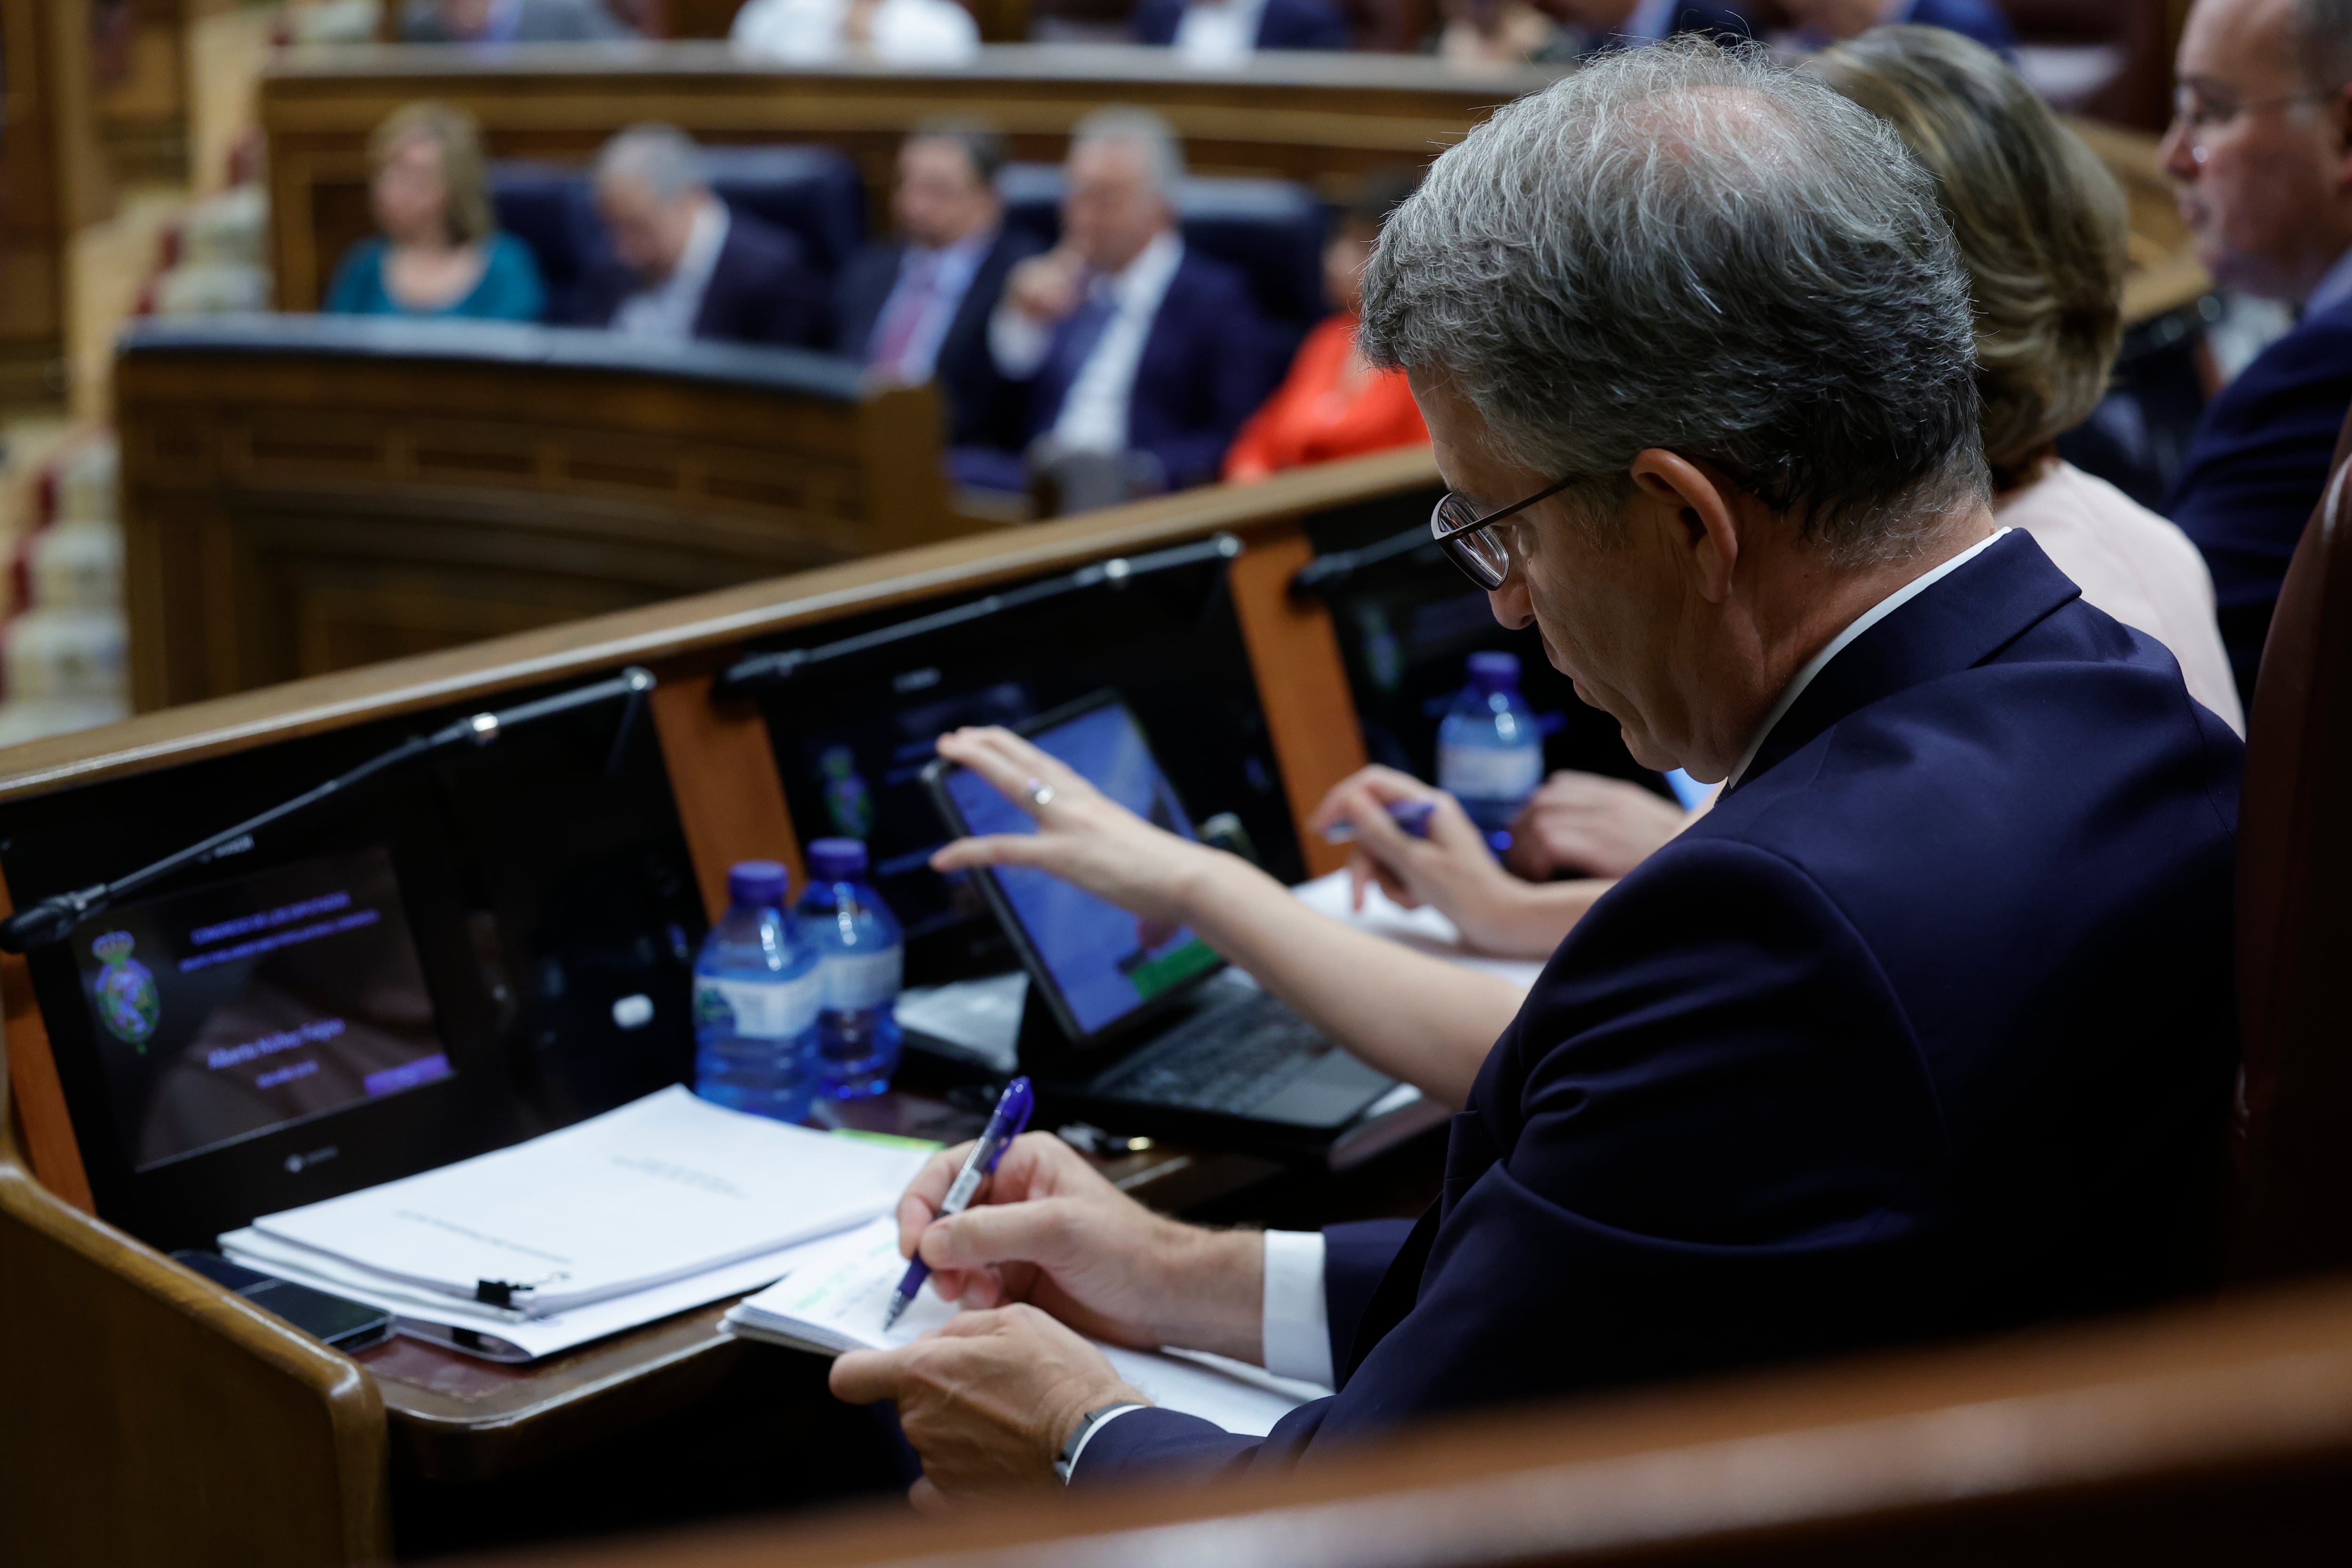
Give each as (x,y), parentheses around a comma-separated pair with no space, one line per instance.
(1702,506)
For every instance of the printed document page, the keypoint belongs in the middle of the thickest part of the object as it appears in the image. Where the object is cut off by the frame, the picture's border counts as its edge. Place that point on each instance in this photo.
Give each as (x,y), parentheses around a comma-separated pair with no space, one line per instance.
(661,1189)
(834,1298)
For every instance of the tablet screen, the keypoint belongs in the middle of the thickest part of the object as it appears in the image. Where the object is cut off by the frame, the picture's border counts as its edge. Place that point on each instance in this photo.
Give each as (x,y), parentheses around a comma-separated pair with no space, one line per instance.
(1106,961)
(255,1001)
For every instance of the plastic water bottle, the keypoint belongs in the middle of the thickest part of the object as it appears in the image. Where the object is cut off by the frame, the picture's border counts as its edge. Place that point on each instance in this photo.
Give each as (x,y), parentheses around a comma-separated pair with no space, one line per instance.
(1489,754)
(756,995)
(862,957)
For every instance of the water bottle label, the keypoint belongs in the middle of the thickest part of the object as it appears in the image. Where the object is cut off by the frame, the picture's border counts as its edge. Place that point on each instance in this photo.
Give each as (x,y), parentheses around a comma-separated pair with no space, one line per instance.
(761,1009)
(856,981)
(1489,773)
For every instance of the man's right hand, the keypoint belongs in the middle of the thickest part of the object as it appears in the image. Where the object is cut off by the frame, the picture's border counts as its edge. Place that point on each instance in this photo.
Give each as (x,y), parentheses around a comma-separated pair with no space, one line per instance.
(1047,287)
(1049,1229)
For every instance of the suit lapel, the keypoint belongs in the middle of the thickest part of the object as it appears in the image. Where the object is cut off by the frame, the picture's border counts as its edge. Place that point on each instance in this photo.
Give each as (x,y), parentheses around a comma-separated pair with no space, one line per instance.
(1959,622)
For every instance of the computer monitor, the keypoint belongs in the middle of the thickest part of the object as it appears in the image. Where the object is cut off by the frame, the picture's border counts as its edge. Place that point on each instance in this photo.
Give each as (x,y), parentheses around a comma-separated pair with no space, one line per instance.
(1100,969)
(252,1002)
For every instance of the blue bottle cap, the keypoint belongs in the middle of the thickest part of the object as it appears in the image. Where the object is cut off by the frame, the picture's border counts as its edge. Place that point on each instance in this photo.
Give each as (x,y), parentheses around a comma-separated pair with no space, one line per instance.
(1492,671)
(756,884)
(837,860)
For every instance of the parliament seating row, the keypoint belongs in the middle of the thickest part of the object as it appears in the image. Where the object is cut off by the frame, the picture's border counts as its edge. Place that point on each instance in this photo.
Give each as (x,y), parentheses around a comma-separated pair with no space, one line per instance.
(2213,1431)
(1271,230)
(1323,120)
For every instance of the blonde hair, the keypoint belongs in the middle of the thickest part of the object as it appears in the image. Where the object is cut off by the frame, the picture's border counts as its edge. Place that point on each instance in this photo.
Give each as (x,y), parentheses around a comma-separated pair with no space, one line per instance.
(2041,227)
(463,171)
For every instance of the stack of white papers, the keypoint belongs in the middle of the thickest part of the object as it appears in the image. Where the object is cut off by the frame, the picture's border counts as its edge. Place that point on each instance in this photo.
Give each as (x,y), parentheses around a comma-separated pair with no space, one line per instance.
(661,1206)
(837,1291)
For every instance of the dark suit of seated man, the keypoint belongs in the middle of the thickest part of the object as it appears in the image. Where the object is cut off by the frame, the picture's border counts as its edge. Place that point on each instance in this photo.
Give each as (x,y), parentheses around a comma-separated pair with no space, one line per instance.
(683,264)
(916,308)
(2261,151)
(1195,24)
(508,22)
(1139,358)
(1924,1030)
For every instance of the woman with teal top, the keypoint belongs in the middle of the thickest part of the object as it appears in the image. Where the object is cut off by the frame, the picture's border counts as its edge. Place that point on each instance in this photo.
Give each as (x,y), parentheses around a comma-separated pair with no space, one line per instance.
(440,253)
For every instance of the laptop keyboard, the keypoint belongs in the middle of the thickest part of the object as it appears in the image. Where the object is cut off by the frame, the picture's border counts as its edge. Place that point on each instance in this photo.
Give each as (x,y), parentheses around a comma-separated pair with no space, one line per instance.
(1230,1059)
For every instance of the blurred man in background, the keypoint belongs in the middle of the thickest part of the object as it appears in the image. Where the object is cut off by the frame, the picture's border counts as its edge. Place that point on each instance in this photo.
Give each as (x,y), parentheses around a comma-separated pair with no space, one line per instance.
(1140,357)
(916,308)
(507,22)
(2261,152)
(683,264)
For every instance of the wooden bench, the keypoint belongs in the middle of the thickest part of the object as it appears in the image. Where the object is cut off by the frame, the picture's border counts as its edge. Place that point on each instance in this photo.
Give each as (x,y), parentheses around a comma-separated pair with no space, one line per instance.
(307,493)
(1324,119)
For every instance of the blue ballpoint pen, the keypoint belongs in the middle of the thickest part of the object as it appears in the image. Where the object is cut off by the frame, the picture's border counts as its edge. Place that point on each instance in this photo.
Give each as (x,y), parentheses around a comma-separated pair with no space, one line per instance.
(1005,1124)
(1412,815)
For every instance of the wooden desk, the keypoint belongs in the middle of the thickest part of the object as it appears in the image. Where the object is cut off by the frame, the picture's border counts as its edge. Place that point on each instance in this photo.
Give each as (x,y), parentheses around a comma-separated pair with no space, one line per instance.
(306,494)
(1323,118)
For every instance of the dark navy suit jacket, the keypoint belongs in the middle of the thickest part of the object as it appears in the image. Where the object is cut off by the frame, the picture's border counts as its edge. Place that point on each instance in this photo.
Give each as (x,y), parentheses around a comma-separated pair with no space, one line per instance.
(760,291)
(1206,367)
(983,408)
(2256,470)
(1978,19)
(1282,25)
(1925,1028)
(1725,23)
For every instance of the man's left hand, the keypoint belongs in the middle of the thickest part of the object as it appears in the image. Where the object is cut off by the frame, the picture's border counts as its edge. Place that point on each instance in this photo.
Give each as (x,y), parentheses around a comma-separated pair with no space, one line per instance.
(988,1400)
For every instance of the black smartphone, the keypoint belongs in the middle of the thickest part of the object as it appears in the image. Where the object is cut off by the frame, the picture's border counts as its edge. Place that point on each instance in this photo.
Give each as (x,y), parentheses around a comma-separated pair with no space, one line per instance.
(345,1324)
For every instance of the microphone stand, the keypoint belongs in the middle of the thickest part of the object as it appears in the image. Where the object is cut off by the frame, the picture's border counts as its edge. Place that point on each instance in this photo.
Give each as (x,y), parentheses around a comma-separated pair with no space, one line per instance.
(54,918)
(760,671)
(1327,574)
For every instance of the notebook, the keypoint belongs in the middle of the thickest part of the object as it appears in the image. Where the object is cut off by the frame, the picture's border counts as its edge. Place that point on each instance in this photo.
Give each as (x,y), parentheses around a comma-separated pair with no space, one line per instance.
(834,1298)
(662,1189)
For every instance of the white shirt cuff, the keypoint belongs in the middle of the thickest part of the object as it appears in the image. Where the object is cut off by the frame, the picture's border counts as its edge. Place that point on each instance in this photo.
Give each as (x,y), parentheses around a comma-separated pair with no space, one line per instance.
(1297,1335)
(1017,343)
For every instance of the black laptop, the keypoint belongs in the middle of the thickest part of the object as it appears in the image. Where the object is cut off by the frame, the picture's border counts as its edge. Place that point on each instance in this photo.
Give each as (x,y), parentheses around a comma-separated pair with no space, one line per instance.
(1139,1024)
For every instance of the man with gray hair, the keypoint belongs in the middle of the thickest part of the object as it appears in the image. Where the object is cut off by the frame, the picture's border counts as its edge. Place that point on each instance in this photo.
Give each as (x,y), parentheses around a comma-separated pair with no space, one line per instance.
(1139,358)
(2260,153)
(1925,1030)
(684,265)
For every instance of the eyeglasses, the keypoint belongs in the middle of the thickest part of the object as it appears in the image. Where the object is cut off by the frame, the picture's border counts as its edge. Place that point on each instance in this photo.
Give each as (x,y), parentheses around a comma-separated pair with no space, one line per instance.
(1456,526)
(2201,113)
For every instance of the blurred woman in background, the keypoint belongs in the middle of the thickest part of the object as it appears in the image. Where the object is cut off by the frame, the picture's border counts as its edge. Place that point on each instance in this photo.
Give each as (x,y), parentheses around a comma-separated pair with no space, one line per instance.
(440,253)
(1333,405)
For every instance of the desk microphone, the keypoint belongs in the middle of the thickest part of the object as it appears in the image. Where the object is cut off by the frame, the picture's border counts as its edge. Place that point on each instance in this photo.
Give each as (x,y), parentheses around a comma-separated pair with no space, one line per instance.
(54,918)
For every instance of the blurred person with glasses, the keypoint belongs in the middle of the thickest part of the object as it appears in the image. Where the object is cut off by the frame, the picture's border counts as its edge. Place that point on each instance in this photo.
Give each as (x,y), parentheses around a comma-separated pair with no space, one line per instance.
(2260,151)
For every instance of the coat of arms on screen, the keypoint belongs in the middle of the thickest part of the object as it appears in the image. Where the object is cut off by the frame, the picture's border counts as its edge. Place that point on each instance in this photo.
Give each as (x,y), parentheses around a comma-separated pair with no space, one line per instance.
(127,1003)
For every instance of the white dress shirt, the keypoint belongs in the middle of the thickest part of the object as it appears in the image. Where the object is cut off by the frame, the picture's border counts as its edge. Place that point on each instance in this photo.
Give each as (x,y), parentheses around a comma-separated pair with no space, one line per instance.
(1218,32)
(666,312)
(1094,414)
(809,32)
(956,267)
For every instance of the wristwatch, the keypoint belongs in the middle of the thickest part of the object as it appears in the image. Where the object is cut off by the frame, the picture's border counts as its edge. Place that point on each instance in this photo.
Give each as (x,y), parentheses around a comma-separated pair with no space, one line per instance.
(1084,1430)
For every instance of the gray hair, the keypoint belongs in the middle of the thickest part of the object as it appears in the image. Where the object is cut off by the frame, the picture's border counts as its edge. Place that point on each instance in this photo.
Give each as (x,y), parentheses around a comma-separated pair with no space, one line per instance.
(2322,37)
(1163,154)
(663,156)
(1691,247)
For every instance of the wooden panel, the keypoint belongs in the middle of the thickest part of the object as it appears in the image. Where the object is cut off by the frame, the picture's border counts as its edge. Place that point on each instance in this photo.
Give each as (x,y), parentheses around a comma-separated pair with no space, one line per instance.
(289,513)
(722,770)
(1302,684)
(153,1418)
(52,184)
(48,1143)
(2200,1436)
(1326,118)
